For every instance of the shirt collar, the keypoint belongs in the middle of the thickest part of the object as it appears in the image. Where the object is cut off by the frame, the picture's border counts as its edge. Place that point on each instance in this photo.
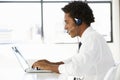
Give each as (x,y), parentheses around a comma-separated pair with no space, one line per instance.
(86,32)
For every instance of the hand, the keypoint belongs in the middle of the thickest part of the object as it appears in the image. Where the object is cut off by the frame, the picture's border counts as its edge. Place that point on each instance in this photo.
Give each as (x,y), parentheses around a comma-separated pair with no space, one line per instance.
(41,64)
(46,65)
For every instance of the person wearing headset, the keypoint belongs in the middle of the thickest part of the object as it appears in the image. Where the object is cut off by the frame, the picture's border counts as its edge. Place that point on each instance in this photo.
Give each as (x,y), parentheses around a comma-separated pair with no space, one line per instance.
(94,58)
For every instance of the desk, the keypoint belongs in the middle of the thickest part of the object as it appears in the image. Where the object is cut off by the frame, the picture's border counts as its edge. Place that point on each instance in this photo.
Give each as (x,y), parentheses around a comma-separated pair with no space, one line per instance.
(19,74)
(12,73)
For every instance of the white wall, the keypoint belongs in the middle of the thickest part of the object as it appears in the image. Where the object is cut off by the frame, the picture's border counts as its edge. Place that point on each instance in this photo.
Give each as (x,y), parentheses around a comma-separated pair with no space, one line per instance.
(115,46)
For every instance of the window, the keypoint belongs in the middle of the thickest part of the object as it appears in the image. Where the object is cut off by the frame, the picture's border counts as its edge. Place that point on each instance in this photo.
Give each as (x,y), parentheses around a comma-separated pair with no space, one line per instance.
(43,20)
(19,21)
(103,19)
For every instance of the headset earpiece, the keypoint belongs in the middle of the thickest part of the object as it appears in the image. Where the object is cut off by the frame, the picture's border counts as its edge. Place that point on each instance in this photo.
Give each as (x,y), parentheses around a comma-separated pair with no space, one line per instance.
(78,21)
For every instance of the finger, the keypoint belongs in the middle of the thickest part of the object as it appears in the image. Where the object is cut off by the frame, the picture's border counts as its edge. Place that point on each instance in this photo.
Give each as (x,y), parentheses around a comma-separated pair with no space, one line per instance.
(34,65)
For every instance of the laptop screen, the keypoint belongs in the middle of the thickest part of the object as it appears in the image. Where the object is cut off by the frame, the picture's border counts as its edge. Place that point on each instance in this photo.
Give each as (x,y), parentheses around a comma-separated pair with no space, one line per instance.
(23,62)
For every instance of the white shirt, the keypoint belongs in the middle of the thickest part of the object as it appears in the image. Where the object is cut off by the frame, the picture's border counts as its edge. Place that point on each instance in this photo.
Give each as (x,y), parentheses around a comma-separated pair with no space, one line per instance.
(93,60)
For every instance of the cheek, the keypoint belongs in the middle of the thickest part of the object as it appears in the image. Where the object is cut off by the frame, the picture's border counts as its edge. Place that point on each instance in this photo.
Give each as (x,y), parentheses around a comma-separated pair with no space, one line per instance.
(74,30)
(69,26)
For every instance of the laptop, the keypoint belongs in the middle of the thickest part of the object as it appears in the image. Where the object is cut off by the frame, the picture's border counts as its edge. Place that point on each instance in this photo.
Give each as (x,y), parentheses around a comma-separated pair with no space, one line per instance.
(24,63)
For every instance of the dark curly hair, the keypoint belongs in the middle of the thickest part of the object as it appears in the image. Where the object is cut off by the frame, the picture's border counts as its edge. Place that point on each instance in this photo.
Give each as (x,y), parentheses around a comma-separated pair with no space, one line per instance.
(79,10)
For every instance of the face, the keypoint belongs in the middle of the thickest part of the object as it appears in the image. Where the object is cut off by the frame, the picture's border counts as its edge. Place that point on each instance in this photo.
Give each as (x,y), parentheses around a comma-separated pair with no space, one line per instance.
(70,26)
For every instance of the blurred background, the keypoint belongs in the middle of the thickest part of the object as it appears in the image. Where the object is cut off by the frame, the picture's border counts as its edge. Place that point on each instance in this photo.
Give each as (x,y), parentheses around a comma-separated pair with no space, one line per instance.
(36,27)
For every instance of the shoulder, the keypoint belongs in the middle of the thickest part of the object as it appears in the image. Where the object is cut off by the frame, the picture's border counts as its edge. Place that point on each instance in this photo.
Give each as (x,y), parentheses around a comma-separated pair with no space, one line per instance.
(93,36)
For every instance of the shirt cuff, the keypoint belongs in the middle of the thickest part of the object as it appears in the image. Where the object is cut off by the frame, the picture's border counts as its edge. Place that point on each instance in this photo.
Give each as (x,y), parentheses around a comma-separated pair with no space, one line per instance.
(61,68)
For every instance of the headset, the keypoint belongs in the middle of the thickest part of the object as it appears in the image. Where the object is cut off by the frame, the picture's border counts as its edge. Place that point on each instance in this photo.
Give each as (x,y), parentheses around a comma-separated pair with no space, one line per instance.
(78,21)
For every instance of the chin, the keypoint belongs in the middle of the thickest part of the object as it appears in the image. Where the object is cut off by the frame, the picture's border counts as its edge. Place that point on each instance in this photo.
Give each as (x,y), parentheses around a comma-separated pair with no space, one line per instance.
(72,36)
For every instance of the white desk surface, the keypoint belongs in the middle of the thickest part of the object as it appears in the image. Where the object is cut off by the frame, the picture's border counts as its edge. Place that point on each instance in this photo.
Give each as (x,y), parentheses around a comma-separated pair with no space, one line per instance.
(18,74)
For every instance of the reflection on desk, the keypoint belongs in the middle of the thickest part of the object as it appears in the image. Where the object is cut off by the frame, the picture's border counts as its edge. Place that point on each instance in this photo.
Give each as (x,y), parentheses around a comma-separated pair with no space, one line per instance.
(10,73)
(41,76)
(16,73)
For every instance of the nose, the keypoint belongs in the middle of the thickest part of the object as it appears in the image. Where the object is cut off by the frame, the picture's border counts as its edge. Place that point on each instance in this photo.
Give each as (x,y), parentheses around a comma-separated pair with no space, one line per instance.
(65,27)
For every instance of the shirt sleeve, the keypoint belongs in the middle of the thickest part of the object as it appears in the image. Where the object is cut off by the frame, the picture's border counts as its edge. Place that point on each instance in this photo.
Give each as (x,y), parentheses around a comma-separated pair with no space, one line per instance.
(65,69)
(80,63)
(67,60)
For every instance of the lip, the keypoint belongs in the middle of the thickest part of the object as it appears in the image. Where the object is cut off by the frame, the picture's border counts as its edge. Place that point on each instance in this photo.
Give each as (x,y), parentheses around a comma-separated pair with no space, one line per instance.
(68,32)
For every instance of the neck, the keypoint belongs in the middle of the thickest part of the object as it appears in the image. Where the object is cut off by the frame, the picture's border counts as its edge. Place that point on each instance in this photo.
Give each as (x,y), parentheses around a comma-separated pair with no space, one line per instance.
(81,29)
